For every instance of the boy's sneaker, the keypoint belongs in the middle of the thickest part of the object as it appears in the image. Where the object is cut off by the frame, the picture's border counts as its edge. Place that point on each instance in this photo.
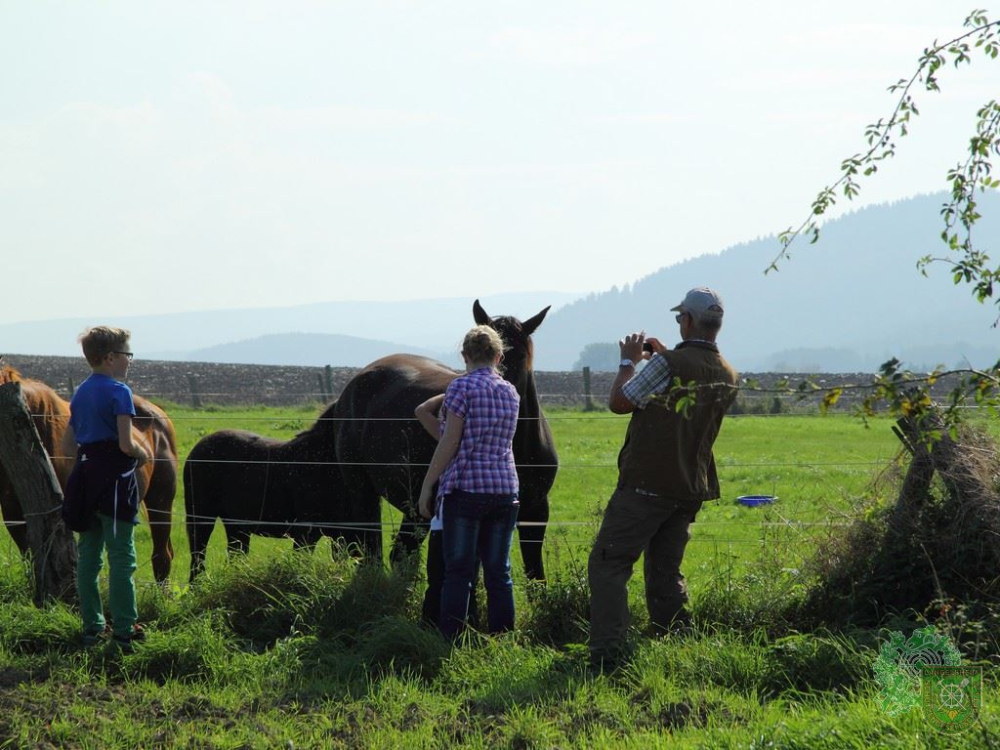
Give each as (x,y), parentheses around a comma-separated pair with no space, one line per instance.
(93,638)
(126,643)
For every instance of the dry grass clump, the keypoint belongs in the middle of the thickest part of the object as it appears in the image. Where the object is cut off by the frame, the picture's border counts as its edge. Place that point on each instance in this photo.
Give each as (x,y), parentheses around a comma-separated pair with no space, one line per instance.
(938,543)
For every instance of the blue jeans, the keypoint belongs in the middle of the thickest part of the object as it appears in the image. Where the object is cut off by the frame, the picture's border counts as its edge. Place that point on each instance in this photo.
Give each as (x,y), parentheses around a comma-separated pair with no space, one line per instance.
(477,526)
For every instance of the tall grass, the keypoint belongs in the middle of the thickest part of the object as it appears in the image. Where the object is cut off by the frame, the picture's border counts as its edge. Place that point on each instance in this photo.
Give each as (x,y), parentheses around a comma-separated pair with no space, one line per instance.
(283,649)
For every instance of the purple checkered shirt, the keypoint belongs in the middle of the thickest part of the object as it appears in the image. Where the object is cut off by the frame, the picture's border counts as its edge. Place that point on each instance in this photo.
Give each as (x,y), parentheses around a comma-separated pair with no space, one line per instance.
(485,458)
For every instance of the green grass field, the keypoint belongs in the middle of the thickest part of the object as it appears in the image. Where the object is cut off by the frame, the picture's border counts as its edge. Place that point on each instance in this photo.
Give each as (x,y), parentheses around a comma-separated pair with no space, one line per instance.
(310,650)
(819,468)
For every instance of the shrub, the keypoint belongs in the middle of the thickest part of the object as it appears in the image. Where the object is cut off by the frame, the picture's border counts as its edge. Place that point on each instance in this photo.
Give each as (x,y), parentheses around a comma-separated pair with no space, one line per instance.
(937,543)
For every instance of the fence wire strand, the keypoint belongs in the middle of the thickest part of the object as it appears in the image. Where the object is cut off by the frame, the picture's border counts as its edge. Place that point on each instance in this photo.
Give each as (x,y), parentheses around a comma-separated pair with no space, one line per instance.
(701,529)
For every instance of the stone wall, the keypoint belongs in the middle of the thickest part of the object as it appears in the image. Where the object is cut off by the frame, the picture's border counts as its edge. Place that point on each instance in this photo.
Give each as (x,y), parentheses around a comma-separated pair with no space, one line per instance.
(229,384)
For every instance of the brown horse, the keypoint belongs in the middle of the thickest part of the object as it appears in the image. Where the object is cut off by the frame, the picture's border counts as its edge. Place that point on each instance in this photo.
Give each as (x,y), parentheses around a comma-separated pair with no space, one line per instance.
(263,486)
(384,452)
(151,428)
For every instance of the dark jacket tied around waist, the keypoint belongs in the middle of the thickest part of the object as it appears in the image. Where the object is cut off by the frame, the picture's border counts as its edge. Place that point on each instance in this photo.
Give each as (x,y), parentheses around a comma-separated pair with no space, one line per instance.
(103,481)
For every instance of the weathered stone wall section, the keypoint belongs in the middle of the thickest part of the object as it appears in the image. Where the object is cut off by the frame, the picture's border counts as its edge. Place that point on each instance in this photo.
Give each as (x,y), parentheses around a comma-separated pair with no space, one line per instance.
(230,384)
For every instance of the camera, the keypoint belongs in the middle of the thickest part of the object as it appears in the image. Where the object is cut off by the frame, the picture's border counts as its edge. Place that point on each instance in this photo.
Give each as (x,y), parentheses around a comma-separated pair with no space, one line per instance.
(646,346)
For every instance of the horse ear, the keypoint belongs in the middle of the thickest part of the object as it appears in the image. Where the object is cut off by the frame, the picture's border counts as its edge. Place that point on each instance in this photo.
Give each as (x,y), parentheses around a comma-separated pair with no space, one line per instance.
(531,324)
(479,314)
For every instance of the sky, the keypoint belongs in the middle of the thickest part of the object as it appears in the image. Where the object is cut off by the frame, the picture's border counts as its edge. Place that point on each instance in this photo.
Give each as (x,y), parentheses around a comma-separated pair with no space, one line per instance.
(162,157)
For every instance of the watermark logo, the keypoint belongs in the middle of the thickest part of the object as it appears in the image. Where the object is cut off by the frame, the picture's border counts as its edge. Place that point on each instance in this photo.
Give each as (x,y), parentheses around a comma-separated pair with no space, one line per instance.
(952,696)
(898,668)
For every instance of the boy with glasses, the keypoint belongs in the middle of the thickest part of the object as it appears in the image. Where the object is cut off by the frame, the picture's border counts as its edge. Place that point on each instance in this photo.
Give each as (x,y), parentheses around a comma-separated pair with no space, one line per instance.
(103,485)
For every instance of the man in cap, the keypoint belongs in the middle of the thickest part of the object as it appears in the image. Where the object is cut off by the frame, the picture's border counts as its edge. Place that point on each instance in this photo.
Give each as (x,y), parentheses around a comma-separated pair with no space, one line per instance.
(666,470)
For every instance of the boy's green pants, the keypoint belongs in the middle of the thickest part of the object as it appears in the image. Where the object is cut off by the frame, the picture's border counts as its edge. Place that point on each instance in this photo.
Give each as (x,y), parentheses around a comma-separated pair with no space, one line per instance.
(119,541)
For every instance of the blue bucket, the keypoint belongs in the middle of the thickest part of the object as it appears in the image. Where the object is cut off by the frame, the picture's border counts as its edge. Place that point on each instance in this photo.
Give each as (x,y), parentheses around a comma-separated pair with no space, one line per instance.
(752,501)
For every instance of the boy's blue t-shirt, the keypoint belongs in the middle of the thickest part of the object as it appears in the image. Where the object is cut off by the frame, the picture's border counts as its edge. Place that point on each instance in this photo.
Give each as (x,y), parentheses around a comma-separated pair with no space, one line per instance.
(95,408)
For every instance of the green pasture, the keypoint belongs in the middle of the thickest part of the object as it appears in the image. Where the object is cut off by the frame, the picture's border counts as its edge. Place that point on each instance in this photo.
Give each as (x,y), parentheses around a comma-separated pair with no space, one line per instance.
(285,650)
(818,467)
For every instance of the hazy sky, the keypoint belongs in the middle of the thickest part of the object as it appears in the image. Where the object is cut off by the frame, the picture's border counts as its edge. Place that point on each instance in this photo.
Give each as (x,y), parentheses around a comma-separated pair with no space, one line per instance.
(160,157)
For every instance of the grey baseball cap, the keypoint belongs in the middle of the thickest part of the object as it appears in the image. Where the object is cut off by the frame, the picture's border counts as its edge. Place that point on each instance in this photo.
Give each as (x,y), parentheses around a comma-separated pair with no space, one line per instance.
(703,303)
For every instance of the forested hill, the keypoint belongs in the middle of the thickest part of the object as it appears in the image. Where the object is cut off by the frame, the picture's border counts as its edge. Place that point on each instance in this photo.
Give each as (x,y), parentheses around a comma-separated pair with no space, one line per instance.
(847,303)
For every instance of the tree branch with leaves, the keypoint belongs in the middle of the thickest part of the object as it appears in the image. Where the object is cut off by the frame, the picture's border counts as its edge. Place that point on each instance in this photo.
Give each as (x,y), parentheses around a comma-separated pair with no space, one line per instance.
(974,172)
(905,394)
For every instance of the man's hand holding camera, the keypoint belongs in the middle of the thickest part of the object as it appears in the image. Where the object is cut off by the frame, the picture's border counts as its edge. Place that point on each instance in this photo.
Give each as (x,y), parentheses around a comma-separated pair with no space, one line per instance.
(637,346)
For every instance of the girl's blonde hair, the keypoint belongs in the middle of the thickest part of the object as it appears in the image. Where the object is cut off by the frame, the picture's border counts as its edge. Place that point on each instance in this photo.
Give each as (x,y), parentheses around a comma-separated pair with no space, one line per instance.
(482,344)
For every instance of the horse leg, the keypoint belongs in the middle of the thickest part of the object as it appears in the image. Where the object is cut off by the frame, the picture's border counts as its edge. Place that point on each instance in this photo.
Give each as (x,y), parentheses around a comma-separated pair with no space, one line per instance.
(364,515)
(198,536)
(531,525)
(201,509)
(410,536)
(413,529)
(159,508)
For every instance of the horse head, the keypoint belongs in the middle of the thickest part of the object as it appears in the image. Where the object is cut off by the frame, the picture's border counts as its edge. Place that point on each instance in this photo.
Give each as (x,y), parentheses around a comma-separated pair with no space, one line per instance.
(517,360)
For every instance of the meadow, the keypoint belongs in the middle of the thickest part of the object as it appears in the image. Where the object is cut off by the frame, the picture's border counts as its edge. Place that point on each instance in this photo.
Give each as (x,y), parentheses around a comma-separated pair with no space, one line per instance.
(285,649)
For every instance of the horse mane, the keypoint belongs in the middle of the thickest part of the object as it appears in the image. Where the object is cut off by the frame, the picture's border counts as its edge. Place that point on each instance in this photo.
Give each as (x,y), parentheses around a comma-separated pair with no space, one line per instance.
(324,422)
(8,374)
(529,358)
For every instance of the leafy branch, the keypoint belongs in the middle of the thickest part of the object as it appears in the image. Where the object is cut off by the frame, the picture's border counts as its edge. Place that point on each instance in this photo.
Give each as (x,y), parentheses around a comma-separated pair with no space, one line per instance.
(960,213)
(901,392)
(905,394)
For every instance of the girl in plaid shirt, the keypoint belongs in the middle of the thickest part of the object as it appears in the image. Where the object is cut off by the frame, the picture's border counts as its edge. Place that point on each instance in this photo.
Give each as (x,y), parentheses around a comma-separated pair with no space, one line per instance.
(477,494)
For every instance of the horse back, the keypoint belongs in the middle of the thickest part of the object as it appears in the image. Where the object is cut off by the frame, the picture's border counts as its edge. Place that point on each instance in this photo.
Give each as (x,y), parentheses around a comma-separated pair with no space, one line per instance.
(225,461)
(377,432)
(380,388)
(379,401)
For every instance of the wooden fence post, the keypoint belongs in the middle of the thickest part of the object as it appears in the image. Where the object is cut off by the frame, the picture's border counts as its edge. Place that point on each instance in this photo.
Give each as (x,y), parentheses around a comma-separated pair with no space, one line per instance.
(328,377)
(588,398)
(53,550)
(193,387)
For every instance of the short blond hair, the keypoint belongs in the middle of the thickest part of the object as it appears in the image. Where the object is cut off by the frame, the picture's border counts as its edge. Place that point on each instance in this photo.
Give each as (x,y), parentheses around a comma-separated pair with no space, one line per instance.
(482,344)
(100,341)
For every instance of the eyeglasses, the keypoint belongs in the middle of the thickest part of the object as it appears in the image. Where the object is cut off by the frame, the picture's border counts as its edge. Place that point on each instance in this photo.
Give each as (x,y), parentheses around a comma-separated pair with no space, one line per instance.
(127,355)
(680,316)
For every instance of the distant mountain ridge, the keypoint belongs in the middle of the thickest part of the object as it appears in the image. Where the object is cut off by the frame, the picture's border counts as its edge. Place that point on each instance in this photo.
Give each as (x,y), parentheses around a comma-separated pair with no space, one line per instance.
(310,350)
(846,304)
(429,325)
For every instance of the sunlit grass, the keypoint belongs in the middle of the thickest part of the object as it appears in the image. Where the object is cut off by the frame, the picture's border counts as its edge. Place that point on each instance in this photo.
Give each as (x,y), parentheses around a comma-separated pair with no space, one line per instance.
(309,650)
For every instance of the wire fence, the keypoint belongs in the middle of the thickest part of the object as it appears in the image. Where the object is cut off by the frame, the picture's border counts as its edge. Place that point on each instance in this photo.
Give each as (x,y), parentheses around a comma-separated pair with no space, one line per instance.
(204,383)
(177,517)
(704,530)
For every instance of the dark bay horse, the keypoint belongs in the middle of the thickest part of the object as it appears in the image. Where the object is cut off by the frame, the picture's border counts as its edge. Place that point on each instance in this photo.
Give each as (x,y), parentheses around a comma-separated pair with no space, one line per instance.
(384,452)
(151,428)
(260,485)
